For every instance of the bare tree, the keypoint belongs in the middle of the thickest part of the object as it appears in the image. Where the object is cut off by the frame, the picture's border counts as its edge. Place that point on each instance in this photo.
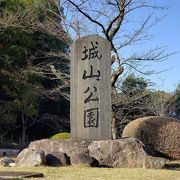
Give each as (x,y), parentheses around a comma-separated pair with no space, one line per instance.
(118,21)
(161,103)
(111,19)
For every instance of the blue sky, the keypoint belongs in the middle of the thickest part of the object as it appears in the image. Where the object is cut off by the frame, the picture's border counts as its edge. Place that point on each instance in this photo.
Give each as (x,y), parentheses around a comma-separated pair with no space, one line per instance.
(169,34)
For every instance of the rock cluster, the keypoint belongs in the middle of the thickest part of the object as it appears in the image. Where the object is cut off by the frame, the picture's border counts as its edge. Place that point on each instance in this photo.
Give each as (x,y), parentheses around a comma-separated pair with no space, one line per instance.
(124,153)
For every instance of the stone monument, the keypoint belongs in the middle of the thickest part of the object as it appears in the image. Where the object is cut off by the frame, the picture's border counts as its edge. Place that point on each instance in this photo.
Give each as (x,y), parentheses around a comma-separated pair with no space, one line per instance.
(90,100)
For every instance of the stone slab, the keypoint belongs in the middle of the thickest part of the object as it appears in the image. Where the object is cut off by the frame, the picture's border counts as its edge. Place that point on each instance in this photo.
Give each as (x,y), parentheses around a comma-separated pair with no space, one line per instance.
(12,175)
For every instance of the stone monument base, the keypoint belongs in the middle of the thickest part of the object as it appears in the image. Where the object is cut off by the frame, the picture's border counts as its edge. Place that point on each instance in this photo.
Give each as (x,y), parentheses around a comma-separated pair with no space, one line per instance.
(122,153)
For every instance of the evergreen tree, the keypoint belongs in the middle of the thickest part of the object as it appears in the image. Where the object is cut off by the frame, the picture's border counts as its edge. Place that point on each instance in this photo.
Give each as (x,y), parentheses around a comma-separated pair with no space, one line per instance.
(33,63)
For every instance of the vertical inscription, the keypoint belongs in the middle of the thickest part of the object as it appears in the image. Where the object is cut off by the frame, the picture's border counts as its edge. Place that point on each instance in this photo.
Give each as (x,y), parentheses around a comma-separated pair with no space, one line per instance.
(91,53)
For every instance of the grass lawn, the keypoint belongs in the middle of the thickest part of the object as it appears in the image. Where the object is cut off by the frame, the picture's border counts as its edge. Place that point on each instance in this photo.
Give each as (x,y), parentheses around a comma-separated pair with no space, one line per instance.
(86,173)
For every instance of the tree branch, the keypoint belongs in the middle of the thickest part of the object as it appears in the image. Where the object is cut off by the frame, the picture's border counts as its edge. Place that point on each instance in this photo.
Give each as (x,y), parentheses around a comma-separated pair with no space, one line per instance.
(86,15)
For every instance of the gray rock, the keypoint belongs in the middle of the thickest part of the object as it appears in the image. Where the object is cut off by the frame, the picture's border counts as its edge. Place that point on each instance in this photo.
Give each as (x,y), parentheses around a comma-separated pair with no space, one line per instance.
(57,159)
(12,164)
(6,162)
(68,146)
(155,162)
(124,153)
(30,157)
(83,159)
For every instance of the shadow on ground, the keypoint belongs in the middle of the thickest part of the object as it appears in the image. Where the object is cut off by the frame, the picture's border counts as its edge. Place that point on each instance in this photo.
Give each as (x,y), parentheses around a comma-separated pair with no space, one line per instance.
(174,165)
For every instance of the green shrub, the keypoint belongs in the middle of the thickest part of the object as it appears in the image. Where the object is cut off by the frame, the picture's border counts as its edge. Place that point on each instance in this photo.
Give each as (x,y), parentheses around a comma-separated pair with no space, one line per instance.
(63,135)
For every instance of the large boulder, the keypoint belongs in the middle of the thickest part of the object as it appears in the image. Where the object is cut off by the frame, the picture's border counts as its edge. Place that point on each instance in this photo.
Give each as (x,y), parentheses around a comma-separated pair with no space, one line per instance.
(65,146)
(30,157)
(124,153)
(160,135)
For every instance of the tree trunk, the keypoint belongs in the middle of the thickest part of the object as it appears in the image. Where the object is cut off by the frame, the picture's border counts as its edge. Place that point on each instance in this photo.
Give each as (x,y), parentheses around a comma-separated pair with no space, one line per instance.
(114,126)
(24,128)
(23,140)
(116,74)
